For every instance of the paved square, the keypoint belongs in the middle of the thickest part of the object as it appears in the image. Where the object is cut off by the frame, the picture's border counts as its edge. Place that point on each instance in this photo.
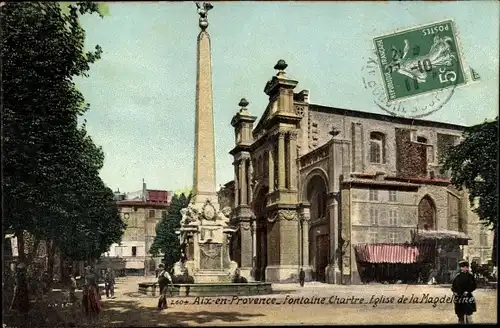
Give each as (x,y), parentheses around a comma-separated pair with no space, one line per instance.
(133,309)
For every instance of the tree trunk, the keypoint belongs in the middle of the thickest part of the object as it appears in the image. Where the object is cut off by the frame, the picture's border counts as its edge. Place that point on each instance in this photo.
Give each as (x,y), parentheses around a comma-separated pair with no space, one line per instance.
(65,268)
(495,247)
(27,254)
(34,251)
(20,246)
(51,252)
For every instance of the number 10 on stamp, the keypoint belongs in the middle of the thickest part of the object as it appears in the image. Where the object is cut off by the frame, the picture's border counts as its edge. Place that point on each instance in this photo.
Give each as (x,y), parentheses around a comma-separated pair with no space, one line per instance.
(420,60)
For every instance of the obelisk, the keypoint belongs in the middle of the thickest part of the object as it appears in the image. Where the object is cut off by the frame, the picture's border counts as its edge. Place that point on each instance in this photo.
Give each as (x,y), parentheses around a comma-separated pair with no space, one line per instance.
(204,147)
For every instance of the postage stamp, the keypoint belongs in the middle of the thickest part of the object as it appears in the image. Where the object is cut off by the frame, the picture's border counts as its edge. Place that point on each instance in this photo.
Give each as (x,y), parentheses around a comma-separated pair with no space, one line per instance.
(420,60)
(414,72)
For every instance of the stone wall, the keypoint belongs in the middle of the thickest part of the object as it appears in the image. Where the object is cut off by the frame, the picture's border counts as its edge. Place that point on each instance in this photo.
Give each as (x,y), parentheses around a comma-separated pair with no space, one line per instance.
(226,195)
(411,157)
(358,129)
(405,208)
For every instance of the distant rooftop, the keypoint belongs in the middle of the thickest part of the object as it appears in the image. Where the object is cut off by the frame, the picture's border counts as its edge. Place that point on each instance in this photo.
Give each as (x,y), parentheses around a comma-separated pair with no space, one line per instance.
(144,197)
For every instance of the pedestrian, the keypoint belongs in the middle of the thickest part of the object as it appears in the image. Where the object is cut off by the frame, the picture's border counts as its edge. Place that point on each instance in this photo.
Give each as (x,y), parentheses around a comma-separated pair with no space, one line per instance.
(302,277)
(45,283)
(164,279)
(109,283)
(432,276)
(463,285)
(72,288)
(20,301)
(91,300)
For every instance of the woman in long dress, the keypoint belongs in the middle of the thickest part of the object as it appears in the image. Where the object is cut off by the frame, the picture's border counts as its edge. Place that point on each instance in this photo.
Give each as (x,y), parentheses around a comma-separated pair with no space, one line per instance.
(21,301)
(91,297)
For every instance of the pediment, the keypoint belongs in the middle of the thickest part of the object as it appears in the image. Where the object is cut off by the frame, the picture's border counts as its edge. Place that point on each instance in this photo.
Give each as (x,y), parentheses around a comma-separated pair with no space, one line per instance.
(271,109)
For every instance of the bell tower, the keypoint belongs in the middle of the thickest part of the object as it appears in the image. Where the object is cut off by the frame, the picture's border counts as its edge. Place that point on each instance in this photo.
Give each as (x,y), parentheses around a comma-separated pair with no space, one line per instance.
(243,173)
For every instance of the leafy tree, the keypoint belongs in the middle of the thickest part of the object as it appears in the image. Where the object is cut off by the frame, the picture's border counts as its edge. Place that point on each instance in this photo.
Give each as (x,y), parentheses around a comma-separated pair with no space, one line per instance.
(166,240)
(52,187)
(473,166)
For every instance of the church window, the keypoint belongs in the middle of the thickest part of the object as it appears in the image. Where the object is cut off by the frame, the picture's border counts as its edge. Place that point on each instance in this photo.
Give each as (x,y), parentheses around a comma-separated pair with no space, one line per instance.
(422,139)
(393,217)
(377,147)
(426,214)
(373,216)
(392,195)
(483,238)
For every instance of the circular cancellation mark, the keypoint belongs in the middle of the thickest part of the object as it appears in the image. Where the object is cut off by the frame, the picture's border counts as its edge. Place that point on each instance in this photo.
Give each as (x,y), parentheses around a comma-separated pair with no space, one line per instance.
(398,79)
(415,107)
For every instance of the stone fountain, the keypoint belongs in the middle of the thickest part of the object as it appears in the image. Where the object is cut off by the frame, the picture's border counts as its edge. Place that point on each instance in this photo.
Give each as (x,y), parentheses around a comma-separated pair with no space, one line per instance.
(205,234)
(205,237)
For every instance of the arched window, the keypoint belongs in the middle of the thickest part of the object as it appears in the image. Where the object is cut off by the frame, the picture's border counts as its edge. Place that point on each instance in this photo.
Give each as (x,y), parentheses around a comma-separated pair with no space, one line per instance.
(426,214)
(377,147)
(318,197)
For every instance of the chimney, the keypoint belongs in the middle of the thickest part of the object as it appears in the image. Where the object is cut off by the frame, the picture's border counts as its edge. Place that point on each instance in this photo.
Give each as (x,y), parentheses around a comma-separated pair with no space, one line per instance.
(144,191)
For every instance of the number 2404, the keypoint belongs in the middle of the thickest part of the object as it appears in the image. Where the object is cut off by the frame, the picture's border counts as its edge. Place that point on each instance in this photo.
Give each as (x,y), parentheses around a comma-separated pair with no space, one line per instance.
(435,29)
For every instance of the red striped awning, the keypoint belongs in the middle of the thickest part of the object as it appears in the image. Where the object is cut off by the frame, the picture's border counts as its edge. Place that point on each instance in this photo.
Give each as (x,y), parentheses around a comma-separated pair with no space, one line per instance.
(393,253)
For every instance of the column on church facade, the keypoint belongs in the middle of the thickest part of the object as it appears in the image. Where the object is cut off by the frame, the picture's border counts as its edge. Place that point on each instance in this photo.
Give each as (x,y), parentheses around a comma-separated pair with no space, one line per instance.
(250,178)
(305,217)
(253,228)
(270,168)
(243,182)
(281,160)
(292,177)
(236,183)
(333,270)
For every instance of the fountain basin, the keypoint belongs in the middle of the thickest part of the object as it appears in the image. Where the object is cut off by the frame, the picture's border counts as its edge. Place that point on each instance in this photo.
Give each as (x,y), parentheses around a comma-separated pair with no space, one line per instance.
(209,289)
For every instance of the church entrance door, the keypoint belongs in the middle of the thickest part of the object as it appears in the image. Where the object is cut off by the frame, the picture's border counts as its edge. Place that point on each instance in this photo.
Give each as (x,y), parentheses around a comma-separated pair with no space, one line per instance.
(322,245)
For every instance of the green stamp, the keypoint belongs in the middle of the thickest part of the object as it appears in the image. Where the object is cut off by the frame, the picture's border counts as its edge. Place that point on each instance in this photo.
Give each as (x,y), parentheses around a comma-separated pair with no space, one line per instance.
(420,60)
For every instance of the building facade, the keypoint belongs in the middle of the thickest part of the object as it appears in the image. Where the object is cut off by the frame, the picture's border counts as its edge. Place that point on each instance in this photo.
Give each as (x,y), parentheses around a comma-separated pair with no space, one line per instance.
(314,185)
(141,211)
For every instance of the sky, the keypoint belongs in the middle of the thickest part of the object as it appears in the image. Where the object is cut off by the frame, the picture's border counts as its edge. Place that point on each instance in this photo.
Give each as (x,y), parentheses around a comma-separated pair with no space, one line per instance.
(142,91)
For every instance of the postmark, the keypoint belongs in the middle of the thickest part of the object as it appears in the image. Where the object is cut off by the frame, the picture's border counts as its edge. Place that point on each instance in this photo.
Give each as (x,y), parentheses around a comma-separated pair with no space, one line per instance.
(414,72)
(415,107)
(420,60)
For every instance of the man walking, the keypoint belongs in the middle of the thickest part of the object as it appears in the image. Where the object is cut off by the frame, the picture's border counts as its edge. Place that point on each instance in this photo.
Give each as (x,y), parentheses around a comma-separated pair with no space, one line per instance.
(109,283)
(164,279)
(463,285)
(72,288)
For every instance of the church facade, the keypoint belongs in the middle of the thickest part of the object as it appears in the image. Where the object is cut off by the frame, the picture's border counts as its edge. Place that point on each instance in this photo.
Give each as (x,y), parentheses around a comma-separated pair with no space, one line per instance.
(315,186)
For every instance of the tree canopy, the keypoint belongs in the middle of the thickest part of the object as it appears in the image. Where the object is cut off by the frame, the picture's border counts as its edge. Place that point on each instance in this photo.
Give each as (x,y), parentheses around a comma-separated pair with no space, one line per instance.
(166,240)
(474,166)
(52,187)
